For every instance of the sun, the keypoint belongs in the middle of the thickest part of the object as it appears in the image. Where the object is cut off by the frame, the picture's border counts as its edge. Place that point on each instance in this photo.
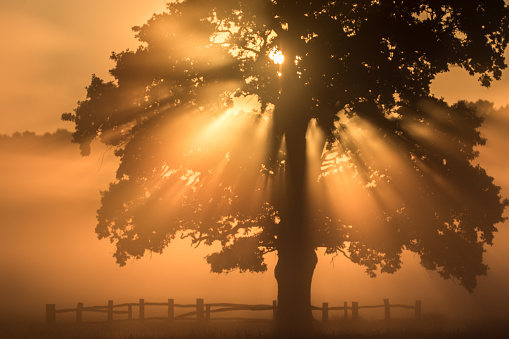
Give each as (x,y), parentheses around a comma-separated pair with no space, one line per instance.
(276,56)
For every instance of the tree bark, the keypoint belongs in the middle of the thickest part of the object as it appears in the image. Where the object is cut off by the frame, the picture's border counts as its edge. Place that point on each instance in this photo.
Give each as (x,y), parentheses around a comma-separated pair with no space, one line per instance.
(295,247)
(296,251)
(294,273)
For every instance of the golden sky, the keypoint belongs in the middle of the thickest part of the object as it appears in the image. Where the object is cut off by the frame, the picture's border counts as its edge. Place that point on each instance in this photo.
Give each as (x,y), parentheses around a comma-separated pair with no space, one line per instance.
(50,48)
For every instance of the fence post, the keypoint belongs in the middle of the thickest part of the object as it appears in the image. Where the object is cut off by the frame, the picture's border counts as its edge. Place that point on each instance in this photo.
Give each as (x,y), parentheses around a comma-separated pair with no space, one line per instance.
(142,310)
(355,310)
(130,312)
(207,312)
(199,310)
(171,309)
(79,312)
(345,310)
(325,312)
(418,306)
(274,309)
(110,310)
(387,307)
(50,314)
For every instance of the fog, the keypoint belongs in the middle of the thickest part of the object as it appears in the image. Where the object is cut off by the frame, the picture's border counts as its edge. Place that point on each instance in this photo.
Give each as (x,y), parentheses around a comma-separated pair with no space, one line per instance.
(51,48)
(49,194)
(50,254)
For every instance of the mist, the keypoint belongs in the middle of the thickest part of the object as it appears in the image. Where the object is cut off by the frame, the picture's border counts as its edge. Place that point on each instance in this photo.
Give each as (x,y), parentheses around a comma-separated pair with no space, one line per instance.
(50,252)
(49,193)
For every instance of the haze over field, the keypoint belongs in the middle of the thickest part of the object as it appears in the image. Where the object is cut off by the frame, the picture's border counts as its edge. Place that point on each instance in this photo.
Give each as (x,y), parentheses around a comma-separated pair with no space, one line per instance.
(49,194)
(50,253)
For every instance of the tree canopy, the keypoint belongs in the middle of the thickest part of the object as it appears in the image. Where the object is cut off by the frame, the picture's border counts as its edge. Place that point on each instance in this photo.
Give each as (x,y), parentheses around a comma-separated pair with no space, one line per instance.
(388,167)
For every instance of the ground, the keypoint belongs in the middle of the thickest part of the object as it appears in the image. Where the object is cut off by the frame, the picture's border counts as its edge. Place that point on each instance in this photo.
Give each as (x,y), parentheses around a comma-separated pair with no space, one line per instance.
(428,327)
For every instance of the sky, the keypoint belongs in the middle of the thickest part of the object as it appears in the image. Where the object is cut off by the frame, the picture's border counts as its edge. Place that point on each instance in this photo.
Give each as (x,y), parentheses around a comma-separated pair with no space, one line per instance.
(49,194)
(50,49)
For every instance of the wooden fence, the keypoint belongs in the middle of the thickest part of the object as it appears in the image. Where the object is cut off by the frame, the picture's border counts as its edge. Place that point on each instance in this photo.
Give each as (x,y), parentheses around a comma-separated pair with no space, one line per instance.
(202,312)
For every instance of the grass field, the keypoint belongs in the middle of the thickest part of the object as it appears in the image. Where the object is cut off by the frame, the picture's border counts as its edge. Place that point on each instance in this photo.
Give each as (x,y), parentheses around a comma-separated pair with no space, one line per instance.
(408,329)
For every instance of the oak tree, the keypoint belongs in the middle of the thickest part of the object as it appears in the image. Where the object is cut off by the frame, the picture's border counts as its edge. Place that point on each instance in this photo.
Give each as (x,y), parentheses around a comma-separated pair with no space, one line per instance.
(337,143)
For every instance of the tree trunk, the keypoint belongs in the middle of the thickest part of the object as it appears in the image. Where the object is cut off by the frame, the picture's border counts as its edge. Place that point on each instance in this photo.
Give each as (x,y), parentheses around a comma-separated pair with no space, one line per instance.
(296,251)
(294,272)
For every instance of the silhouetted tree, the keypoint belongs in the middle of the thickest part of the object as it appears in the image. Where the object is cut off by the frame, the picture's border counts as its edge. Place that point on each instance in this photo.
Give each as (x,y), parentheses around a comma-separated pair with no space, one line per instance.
(344,149)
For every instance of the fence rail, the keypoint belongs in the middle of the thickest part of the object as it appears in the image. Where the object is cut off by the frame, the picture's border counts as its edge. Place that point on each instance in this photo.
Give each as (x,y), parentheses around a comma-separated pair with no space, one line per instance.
(202,312)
